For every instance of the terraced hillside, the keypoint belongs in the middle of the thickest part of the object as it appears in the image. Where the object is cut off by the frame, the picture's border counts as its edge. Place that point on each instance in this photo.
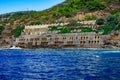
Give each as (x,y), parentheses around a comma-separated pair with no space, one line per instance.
(69,9)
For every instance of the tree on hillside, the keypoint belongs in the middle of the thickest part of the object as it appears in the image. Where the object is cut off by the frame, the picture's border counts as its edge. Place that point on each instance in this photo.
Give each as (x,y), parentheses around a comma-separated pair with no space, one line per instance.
(18,30)
(72,22)
(1,29)
(100,21)
(110,18)
(35,23)
(95,5)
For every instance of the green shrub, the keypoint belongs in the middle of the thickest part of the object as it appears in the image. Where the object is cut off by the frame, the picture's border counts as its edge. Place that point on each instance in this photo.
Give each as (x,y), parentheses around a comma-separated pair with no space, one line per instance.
(96,31)
(107,29)
(87,30)
(117,27)
(53,28)
(110,18)
(90,17)
(100,21)
(95,5)
(115,11)
(65,30)
(35,23)
(18,30)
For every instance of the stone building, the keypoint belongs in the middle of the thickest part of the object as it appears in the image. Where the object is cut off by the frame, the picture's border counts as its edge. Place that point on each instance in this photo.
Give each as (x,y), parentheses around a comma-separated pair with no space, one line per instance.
(37,36)
(82,40)
(79,40)
(30,34)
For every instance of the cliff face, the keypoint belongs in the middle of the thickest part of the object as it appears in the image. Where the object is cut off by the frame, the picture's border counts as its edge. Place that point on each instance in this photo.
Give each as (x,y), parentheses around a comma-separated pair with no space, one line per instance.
(70,9)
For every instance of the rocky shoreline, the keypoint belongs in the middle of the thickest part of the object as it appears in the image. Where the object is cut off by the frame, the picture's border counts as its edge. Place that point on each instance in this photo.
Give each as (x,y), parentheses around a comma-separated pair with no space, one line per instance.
(72,48)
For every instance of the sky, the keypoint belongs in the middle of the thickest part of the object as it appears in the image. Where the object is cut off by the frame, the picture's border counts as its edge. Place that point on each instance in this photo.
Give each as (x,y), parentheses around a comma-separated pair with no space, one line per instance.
(7,6)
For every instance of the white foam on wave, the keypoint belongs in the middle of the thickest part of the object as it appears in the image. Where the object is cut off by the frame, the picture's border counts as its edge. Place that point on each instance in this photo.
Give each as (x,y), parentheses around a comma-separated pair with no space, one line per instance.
(97,56)
(111,51)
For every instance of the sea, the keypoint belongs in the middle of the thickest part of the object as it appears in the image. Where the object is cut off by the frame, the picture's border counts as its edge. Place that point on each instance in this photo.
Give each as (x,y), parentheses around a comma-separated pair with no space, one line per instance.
(60,64)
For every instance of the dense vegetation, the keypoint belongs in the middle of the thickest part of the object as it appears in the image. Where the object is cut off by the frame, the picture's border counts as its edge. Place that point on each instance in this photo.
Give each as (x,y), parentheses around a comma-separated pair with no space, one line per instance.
(92,17)
(106,25)
(110,23)
(100,21)
(18,30)
(71,29)
(68,8)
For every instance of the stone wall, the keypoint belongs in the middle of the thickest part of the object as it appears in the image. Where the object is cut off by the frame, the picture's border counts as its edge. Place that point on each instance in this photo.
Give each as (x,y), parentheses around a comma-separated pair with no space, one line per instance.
(80,40)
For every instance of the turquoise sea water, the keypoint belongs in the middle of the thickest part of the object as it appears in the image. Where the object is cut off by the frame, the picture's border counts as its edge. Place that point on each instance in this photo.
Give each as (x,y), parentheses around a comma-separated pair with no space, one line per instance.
(76,64)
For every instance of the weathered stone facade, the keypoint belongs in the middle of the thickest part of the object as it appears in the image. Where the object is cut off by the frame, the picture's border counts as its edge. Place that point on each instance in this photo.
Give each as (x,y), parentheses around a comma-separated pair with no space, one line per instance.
(6,38)
(82,40)
(38,36)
